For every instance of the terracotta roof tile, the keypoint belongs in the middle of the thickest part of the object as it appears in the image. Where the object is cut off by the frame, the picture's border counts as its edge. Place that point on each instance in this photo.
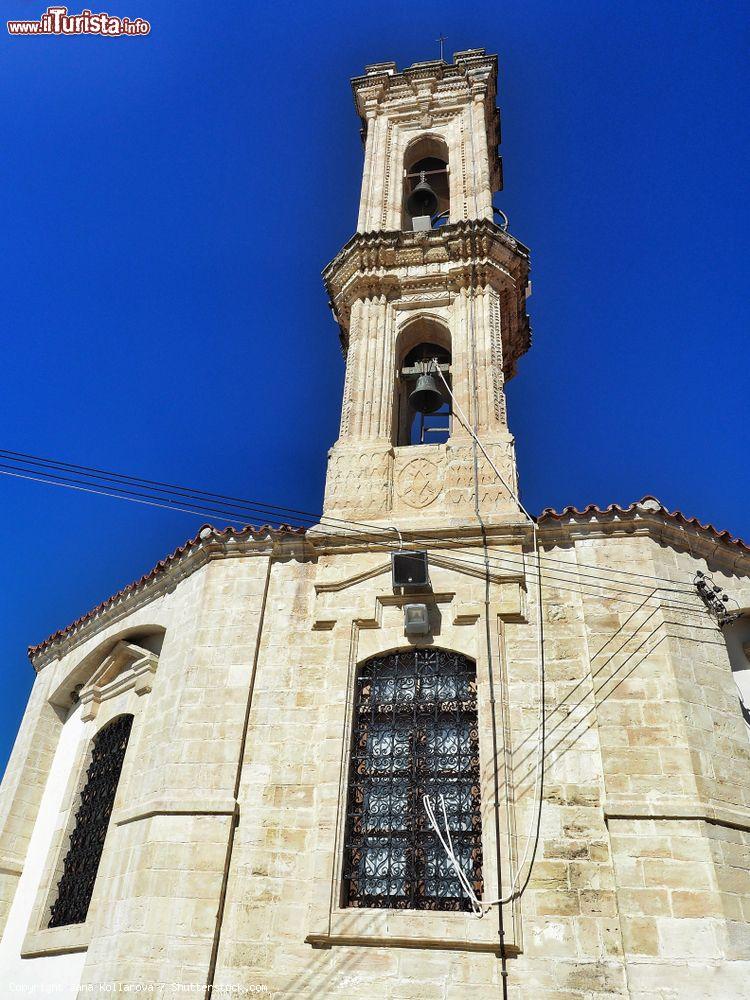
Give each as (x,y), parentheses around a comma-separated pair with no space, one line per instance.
(647,504)
(164,564)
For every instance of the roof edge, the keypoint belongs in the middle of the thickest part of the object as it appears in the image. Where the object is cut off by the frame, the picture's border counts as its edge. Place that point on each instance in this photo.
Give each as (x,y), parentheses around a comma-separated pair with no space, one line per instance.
(646,506)
(199,547)
(206,536)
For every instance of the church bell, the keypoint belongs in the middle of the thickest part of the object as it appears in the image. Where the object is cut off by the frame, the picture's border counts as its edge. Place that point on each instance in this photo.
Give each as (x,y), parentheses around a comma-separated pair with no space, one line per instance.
(422,201)
(425,397)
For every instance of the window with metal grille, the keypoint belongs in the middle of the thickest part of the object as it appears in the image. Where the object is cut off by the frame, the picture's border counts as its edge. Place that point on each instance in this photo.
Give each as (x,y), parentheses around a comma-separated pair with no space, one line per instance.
(75,888)
(415,733)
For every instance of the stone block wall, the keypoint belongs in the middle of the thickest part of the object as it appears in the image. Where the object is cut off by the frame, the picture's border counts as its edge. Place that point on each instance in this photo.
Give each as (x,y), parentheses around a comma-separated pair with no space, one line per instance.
(172,837)
(640,886)
(23,785)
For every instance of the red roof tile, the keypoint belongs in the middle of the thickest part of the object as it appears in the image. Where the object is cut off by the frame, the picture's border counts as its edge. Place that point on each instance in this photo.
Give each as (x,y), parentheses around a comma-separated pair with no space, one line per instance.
(164,564)
(647,504)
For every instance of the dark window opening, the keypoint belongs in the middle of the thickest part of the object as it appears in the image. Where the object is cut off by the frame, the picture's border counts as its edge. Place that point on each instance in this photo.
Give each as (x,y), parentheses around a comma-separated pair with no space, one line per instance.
(426,173)
(415,426)
(415,733)
(75,888)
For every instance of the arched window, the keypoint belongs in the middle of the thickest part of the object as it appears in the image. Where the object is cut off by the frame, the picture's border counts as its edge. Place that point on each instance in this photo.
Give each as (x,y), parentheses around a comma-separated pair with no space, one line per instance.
(415,733)
(737,637)
(75,888)
(426,164)
(423,342)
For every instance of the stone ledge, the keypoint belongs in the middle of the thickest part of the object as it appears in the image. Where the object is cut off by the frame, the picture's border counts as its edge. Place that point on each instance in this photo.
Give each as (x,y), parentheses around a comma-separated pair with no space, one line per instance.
(223,806)
(10,866)
(677,809)
(56,940)
(438,930)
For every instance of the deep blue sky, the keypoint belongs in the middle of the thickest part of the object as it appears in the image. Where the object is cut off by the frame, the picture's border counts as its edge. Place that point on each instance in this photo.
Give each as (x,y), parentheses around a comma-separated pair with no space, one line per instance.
(169,203)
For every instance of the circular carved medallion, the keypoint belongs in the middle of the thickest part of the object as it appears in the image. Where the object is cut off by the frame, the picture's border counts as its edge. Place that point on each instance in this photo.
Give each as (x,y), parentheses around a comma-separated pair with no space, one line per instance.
(419,482)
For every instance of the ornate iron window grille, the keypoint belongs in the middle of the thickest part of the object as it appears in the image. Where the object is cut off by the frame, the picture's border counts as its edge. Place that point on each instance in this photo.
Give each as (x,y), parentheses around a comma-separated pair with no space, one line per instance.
(415,733)
(75,888)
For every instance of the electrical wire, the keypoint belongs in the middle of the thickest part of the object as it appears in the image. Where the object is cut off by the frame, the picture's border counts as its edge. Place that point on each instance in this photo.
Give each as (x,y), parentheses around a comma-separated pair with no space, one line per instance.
(518,885)
(237,505)
(535,828)
(102,493)
(481,907)
(507,562)
(627,637)
(507,559)
(198,502)
(592,677)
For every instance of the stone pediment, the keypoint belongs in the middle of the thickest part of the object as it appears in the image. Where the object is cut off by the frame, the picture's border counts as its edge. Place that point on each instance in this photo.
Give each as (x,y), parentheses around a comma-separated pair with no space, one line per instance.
(126,665)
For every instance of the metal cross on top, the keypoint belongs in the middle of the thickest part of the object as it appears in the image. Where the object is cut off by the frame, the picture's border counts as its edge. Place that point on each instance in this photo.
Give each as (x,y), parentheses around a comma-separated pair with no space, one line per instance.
(440,42)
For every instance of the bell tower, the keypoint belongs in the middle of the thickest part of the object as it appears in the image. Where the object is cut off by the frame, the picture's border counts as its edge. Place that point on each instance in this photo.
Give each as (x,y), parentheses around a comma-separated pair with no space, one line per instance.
(429,295)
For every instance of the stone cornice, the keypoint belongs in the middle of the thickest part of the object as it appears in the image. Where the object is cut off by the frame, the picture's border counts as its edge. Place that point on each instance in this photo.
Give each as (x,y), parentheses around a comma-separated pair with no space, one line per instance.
(432,87)
(469,254)
(647,517)
(500,532)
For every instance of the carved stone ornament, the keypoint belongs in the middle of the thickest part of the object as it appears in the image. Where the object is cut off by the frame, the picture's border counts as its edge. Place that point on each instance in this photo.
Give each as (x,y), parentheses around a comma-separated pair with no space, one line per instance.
(419,482)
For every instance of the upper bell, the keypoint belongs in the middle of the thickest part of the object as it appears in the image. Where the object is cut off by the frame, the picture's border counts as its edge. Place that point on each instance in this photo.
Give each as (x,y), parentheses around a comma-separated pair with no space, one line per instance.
(425,397)
(422,200)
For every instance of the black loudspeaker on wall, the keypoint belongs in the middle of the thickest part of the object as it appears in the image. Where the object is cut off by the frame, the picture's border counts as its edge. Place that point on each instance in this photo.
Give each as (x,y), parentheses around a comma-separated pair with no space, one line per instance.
(410,569)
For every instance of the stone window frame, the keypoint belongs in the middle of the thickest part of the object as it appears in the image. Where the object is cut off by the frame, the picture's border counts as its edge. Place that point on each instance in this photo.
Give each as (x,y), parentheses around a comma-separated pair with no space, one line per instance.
(332,923)
(737,639)
(116,688)
(422,665)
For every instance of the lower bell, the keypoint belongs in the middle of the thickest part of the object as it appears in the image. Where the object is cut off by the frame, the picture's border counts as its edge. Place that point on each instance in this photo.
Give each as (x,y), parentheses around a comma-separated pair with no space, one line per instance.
(425,397)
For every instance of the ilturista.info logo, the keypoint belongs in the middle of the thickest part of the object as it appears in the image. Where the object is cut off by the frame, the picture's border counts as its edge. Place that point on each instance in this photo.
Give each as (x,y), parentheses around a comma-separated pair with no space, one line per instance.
(57,21)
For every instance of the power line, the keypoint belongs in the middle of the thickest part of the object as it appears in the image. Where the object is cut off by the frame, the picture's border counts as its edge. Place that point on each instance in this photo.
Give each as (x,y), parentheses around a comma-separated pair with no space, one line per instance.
(91,472)
(506,562)
(503,563)
(74,484)
(517,561)
(202,501)
(559,576)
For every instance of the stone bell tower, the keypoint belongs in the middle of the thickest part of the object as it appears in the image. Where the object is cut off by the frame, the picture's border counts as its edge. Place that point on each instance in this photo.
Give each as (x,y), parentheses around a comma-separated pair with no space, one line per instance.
(430,287)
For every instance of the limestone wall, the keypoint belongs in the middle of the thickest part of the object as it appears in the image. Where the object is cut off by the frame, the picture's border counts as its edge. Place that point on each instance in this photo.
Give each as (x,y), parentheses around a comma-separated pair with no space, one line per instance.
(640,886)
(644,904)
(22,787)
(171,838)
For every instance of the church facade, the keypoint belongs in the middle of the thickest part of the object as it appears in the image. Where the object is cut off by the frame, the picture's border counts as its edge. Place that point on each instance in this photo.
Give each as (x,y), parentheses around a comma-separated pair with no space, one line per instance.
(224,779)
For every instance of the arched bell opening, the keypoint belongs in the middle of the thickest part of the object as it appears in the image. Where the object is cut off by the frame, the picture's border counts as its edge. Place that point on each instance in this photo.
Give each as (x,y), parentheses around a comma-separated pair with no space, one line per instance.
(426,185)
(422,410)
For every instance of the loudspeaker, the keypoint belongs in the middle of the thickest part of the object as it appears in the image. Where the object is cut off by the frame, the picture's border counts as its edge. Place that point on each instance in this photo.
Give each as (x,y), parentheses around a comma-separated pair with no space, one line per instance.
(410,569)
